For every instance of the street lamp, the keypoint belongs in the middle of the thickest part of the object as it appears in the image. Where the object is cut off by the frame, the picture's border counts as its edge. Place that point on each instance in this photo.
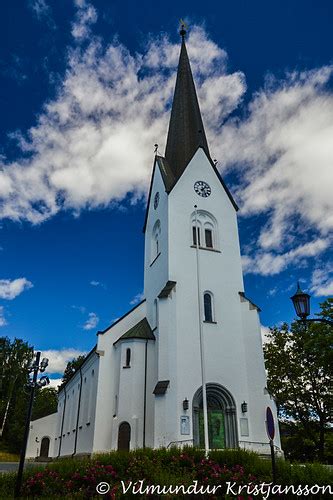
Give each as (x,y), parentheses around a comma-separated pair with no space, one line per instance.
(35,367)
(301,301)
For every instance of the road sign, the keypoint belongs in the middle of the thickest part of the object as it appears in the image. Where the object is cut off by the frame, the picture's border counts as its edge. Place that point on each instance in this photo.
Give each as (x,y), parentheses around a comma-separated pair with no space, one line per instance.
(270,427)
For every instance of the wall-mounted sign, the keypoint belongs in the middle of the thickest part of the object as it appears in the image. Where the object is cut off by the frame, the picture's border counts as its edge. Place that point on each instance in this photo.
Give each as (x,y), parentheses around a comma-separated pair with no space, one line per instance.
(184,425)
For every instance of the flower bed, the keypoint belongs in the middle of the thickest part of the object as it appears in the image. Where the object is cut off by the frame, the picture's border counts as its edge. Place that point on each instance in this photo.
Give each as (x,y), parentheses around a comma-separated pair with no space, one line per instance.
(132,475)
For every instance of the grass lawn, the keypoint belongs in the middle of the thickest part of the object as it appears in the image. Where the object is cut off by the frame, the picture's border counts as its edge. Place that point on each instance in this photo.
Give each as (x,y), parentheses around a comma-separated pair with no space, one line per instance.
(8,457)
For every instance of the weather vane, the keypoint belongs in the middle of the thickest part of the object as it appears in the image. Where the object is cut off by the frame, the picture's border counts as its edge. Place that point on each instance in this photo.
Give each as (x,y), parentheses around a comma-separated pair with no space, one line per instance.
(183,28)
(156,148)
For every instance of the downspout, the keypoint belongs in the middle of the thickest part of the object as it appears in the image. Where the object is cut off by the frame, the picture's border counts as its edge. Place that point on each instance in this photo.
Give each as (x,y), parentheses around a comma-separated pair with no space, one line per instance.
(78,415)
(145,398)
(62,423)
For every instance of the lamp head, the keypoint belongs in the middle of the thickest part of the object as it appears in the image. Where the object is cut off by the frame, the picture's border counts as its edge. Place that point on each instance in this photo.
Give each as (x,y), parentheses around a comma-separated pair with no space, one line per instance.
(301,303)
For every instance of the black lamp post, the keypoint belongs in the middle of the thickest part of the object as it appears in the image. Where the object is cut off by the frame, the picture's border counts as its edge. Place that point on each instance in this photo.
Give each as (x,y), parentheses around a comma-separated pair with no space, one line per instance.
(34,368)
(301,301)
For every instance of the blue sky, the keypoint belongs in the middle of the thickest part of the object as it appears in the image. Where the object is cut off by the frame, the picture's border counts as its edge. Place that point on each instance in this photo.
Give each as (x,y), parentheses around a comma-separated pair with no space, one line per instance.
(85,94)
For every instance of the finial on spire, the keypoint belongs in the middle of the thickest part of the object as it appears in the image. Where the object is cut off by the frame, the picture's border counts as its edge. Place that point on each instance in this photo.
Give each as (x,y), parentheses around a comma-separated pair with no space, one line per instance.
(182,31)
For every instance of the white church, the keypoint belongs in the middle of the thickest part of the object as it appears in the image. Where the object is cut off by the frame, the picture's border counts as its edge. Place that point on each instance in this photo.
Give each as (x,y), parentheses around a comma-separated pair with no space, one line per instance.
(142,384)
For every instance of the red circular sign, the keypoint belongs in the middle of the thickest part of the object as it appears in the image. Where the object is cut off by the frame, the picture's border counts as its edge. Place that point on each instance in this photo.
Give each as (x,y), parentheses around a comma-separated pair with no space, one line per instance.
(270,427)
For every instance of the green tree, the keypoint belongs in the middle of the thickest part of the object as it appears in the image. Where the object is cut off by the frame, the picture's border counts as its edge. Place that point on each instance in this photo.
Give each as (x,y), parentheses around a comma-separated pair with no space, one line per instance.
(46,402)
(15,357)
(71,368)
(300,370)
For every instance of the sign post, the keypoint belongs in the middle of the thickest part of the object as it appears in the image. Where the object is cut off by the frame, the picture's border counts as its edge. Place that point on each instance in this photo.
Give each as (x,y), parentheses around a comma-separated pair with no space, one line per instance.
(270,428)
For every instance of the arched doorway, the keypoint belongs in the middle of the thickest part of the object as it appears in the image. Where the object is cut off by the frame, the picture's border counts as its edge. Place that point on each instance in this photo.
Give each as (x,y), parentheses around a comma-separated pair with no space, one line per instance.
(222,422)
(124,436)
(44,447)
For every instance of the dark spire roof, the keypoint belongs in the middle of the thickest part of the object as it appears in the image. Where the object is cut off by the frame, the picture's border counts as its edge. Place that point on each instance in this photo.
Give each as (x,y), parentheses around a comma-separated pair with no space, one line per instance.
(186,131)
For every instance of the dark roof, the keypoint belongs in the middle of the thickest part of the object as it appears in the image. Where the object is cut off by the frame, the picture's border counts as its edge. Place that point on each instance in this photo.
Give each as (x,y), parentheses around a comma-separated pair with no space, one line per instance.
(161,387)
(167,175)
(101,332)
(141,330)
(186,131)
(242,295)
(165,292)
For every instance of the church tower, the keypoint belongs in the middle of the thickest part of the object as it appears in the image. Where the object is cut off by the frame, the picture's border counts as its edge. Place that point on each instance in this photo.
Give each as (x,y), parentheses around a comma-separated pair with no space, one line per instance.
(143,383)
(194,286)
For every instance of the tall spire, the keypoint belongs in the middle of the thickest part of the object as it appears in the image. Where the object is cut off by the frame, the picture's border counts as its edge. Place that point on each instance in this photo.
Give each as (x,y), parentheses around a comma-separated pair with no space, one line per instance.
(186,131)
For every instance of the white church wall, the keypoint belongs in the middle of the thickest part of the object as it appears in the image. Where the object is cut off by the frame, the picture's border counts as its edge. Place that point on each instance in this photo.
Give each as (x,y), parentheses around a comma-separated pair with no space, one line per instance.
(167,356)
(156,272)
(258,397)
(76,413)
(131,390)
(105,436)
(40,428)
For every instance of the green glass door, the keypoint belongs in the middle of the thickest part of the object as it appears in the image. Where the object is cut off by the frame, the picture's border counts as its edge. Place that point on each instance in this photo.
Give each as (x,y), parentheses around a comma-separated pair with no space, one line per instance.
(216,431)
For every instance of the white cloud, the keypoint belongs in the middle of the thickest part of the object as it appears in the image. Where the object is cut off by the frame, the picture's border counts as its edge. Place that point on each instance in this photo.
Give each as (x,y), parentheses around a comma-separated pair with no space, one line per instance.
(54,382)
(283,153)
(137,298)
(86,16)
(9,289)
(3,321)
(97,283)
(58,359)
(264,334)
(91,322)
(322,281)
(270,263)
(110,110)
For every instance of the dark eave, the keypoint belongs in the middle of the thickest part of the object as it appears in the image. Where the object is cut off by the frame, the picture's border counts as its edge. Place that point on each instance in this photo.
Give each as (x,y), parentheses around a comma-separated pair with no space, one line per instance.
(167,289)
(254,306)
(161,387)
(141,331)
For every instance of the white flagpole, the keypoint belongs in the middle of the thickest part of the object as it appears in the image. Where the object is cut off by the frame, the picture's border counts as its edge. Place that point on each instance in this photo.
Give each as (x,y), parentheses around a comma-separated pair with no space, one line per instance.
(202,351)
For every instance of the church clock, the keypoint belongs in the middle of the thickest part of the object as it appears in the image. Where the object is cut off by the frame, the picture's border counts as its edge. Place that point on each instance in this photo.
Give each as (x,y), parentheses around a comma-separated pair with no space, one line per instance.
(202,189)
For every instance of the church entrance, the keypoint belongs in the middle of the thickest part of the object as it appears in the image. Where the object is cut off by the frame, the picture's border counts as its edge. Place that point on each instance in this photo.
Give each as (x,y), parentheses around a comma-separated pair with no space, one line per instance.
(222,423)
(44,447)
(216,431)
(124,436)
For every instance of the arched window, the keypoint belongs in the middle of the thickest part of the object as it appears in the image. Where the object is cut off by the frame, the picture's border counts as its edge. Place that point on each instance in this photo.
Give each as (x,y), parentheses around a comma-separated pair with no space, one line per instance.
(128,358)
(204,230)
(155,240)
(208,307)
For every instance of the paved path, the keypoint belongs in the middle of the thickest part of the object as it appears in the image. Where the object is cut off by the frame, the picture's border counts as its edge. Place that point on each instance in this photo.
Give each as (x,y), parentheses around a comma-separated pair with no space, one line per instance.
(13,466)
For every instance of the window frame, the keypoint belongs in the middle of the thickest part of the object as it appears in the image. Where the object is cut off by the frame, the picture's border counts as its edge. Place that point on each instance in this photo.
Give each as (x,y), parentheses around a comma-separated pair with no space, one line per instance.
(211,317)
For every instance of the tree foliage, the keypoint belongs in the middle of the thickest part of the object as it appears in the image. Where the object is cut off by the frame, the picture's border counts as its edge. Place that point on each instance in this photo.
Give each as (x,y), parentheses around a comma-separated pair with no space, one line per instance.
(15,358)
(71,368)
(299,361)
(46,402)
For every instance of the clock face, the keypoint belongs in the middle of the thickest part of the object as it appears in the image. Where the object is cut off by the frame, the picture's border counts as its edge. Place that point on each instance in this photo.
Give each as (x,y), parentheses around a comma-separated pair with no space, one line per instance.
(156,199)
(202,189)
